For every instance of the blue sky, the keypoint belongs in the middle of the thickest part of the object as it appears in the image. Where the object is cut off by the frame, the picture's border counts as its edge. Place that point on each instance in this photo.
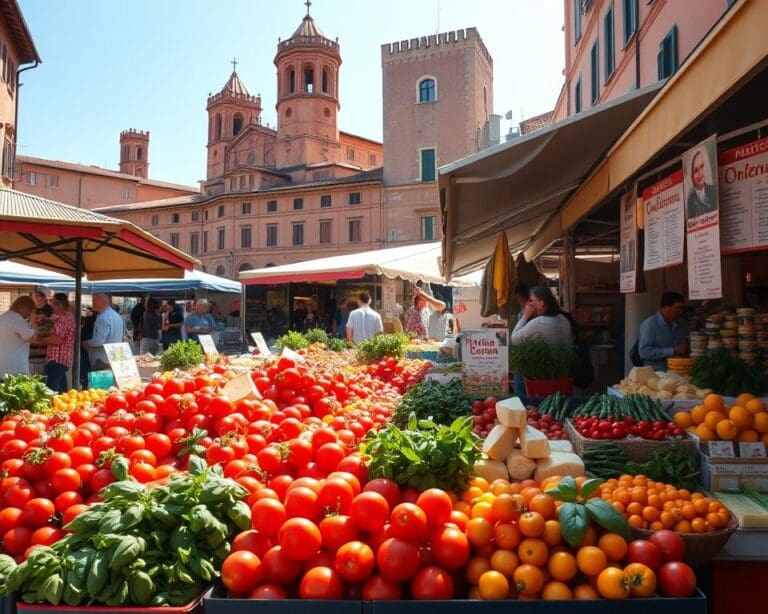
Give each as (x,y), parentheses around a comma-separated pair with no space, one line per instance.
(109,65)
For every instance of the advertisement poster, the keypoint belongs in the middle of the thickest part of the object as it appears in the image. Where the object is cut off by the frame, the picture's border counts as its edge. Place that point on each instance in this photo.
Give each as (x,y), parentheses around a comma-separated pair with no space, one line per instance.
(664,213)
(485,362)
(123,365)
(628,219)
(743,192)
(208,345)
(702,219)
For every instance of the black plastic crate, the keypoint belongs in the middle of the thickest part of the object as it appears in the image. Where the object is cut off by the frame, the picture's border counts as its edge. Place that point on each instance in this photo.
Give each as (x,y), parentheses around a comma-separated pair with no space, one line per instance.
(218,603)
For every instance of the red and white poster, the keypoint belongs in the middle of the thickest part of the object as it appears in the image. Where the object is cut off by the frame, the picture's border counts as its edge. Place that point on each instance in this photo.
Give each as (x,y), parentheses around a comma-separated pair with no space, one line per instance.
(664,214)
(628,241)
(702,219)
(743,191)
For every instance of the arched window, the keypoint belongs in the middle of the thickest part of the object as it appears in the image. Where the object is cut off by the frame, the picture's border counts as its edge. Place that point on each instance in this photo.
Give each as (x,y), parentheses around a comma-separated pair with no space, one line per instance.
(309,79)
(291,80)
(139,171)
(427,90)
(237,124)
(246,266)
(220,270)
(218,126)
(325,80)
(139,153)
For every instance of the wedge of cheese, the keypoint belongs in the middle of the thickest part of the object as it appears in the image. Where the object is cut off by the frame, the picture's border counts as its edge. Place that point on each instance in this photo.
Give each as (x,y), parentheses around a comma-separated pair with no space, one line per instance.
(641,374)
(491,470)
(511,412)
(560,463)
(560,445)
(500,442)
(519,466)
(533,442)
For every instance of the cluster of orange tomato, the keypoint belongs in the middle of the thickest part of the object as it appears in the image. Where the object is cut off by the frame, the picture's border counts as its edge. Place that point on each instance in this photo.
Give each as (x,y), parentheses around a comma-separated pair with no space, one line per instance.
(657,506)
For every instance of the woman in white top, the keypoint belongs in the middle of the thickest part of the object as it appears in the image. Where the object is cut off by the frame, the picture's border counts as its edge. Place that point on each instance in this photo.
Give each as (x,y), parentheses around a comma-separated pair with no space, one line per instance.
(542,318)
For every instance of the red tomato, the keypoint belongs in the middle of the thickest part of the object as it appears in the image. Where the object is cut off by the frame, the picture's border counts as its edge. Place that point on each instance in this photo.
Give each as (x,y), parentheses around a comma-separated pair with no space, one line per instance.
(241,571)
(386,488)
(677,579)
(73,512)
(397,559)
(432,583)
(81,455)
(321,583)
(10,518)
(46,536)
(329,455)
(267,516)
(437,505)
(299,538)
(253,541)
(66,500)
(450,547)
(278,568)
(355,465)
(408,521)
(335,496)
(369,511)
(17,540)
(670,544)
(18,494)
(38,512)
(645,552)
(378,588)
(64,480)
(354,561)
(100,479)
(268,591)
(337,530)
(302,502)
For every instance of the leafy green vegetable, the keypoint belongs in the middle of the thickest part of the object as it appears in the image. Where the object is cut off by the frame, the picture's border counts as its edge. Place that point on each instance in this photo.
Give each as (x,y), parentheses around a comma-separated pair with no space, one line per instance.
(378,347)
(292,340)
(728,375)
(537,359)
(19,392)
(337,345)
(316,335)
(425,455)
(182,355)
(671,465)
(441,403)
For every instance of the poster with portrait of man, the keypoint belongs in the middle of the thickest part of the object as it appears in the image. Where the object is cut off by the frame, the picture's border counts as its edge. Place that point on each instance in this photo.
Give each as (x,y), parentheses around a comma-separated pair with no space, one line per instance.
(700,179)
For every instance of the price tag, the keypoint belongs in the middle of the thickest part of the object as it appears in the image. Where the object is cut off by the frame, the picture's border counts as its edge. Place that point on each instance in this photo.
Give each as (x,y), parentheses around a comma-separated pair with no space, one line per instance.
(123,365)
(261,344)
(721,449)
(294,356)
(241,387)
(209,347)
(752,449)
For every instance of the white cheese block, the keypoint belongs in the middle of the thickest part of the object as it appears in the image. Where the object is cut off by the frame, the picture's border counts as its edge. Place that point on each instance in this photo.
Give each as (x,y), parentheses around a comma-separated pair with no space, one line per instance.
(500,442)
(491,470)
(560,445)
(560,463)
(641,374)
(520,467)
(511,412)
(534,443)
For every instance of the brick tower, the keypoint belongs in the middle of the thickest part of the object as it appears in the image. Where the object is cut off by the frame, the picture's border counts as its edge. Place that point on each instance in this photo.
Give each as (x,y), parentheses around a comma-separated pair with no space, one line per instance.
(134,152)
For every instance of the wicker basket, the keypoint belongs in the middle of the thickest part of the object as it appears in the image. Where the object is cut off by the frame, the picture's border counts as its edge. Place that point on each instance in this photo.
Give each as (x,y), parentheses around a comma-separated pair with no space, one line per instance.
(700,548)
(636,449)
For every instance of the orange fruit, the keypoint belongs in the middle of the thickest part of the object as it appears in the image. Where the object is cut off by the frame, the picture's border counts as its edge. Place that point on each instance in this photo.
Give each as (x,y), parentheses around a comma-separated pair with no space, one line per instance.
(701,505)
(476,567)
(744,398)
(712,418)
(552,534)
(760,422)
(544,505)
(740,416)
(614,546)
(714,402)
(591,560)
(684,526)
(727,430)
(754,406)
(612,583)
(704,433)
(504,508)
(480,483)
(493,585)
(528,579)
(764,438)
(699,412)
(699,525)
(533,551)
(562,566)
(505,561)
(586,592)
(556,591)
(482,509)
(749,435)
(531,524)
(683,418)
(506,535)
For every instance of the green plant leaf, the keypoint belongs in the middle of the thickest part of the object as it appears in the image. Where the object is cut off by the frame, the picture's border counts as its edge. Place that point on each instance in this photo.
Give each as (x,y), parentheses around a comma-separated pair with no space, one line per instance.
(608,517)
(574,521)
(568,489)
(590,486)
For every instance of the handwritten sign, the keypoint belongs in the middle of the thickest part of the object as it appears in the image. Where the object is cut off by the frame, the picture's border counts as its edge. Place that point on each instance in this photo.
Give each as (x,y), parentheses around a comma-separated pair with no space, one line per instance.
(751,449)
(261,344)
(123,365)
(209,347)
(485,362)
(721,449)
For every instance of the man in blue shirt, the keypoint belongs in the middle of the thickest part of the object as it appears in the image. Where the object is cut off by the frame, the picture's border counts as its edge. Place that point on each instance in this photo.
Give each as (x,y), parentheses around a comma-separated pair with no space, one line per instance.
(108,328)
(664,334)
(199,322)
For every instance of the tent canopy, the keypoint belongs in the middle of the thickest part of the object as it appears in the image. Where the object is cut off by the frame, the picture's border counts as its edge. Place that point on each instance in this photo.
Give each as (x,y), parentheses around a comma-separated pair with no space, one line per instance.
(519,185)
(15,274)
(411,262)
(193,280)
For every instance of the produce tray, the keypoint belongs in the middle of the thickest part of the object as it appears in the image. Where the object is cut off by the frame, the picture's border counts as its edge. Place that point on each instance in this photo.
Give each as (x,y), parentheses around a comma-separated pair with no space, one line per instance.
(217,602)
(636,449)
(676,404)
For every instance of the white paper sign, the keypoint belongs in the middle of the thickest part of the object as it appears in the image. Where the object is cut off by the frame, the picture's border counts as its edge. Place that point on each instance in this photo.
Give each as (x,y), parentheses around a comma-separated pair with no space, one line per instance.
(294,356)
(261,344)
(209,347)
(388,296)
(123,365)
(664,215)
(702,221)
(628,219)
(485,361)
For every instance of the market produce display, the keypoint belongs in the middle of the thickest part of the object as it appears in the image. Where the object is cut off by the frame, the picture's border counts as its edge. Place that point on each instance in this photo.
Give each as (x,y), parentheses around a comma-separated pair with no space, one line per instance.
(644,380)
(726,374)
(607,417)
(746,420)
(442,403)
(24,392)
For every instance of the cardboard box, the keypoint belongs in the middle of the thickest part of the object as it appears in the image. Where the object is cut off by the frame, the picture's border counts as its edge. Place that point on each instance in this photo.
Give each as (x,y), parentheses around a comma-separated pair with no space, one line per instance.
(732,473)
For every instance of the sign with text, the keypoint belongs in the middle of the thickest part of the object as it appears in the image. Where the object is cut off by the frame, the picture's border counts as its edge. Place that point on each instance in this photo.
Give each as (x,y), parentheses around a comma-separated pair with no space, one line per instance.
(261,344)
(388,296)
(664,214)
(743,194)
(485,362)
(628,240)
(702,219)
(208,345)
(123,365)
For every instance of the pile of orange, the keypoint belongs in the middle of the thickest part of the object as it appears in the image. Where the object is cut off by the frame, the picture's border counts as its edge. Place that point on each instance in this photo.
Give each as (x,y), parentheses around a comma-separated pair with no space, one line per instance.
(747,420)
(656,506)
(518,551)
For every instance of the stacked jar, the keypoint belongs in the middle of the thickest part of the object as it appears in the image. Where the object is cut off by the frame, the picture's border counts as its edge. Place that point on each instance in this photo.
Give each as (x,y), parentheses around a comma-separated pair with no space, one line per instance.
(712,330)
(748,350)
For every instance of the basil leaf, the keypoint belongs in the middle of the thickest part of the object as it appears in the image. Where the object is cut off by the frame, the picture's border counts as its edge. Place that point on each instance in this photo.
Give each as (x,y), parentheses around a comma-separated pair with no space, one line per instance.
(590,486)
(568,489)
(608,517)
(573,522)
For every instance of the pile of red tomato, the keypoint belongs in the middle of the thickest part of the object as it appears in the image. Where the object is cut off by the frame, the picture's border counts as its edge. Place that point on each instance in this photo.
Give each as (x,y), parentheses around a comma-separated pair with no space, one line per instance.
(593,427)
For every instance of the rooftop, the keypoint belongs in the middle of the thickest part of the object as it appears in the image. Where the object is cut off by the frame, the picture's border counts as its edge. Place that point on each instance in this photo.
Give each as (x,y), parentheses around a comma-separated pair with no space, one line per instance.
(11,16)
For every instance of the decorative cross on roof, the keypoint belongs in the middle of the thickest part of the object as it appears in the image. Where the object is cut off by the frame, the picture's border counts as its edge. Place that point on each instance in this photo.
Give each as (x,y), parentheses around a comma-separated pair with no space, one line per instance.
(234,64)
(308,3)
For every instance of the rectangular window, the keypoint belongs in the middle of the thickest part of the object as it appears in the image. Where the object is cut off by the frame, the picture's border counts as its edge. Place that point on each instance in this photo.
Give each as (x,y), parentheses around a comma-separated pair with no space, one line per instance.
(325,201)
(372,159)
(608,43)
(53,181)
(126,192)
(222,236)
(155,220)
(175,218)
(594,57)
(245,208)
(205,242)
(175,239)
(576,21)
(325,231)
(630,19)
(298,204)
(354,198)
(350,153)
(355,230)
(232,184)
(206,216)
(9,159)
(271,206)
(245,236)
(577,97)
(194,243)
(242,182)
(298,233)
(667,58)
(195,216)
(32,178)
(427,164)
(251,181)
(271,235)
(428,228)
(221,210)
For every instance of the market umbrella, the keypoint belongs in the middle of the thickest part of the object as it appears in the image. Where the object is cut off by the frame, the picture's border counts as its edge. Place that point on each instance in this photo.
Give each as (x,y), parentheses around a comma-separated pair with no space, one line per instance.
(64,239)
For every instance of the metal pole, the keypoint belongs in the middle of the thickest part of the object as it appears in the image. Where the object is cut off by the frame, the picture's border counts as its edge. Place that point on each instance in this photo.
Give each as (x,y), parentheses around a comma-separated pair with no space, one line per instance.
(78,314)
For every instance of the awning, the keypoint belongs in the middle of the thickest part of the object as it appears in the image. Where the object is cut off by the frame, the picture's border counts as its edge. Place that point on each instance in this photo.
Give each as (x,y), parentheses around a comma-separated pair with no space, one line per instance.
(519,185)
(733,52)
(193,280)
(411,262)
(15,274)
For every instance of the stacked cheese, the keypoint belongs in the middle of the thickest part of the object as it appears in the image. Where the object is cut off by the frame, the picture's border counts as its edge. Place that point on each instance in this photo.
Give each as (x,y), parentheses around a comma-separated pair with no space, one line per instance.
(534,456)
(644,380)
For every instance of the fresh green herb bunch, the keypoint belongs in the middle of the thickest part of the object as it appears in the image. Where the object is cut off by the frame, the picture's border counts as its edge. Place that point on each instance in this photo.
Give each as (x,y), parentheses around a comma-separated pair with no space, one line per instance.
(425,454)
(727,375)
(292,340)
(537,359)
(144,547)
(441,403)
(182,355)
(337,345)
(378,347)
(19,392)
(316,335)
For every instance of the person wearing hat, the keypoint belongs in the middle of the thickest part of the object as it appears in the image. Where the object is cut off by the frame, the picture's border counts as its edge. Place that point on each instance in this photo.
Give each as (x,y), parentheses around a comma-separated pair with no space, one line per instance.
(199,322)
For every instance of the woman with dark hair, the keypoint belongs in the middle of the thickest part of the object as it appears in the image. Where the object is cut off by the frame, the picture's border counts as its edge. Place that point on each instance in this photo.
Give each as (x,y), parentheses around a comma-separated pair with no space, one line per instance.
(542,318)
(151,326)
